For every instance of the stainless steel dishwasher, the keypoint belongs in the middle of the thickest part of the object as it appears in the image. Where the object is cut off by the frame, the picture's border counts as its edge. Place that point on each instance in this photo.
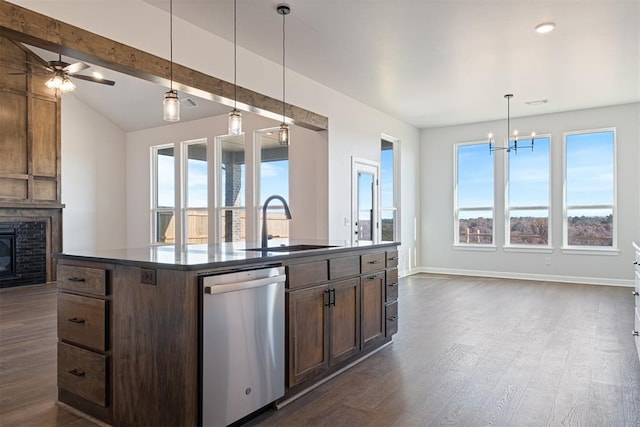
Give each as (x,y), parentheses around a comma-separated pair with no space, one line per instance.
(242,343)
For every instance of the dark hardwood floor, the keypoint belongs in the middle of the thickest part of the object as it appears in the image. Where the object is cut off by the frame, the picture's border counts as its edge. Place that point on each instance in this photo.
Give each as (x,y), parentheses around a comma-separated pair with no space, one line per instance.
(470,352)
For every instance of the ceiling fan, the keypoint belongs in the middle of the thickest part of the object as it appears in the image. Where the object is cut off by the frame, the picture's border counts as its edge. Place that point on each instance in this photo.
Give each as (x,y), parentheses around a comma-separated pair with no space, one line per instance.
(63,71)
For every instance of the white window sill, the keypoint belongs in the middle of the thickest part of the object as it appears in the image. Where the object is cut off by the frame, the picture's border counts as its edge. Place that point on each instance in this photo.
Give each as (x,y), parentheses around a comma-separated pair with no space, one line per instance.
(480,248)
(529,249)
(590,251)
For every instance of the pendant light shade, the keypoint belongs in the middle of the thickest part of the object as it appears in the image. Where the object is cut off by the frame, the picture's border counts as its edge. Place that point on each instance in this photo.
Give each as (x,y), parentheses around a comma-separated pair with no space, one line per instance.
(235,118)
(171,106)
(171,103)
(283,133)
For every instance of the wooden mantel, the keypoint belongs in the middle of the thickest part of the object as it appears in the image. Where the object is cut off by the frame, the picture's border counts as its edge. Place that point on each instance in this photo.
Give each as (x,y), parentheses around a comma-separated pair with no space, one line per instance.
(27,26)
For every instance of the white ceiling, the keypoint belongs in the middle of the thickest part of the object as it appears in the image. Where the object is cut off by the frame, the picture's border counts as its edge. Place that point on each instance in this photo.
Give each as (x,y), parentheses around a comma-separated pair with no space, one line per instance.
(430,62)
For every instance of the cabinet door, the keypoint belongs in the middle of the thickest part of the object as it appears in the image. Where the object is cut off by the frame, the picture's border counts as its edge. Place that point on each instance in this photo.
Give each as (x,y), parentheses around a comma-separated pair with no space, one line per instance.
(345,319)
(373,322)
(308,331)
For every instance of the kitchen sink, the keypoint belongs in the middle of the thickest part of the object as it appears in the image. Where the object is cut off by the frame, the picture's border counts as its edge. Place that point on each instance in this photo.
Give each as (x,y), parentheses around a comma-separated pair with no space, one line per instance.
(290,248)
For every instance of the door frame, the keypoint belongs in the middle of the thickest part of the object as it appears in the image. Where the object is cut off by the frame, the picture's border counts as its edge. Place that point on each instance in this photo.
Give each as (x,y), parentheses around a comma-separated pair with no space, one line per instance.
(372,167)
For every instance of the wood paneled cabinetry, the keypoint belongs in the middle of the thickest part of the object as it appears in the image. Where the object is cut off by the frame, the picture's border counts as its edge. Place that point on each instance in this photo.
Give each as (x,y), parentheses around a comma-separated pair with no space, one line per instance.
(83,339)
(337,309)
(636,295)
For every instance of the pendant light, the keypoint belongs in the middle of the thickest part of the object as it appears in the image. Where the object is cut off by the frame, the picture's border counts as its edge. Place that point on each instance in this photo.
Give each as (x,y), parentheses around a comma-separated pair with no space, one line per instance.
(512,142)
(283,134)
(235,118)
(171,103)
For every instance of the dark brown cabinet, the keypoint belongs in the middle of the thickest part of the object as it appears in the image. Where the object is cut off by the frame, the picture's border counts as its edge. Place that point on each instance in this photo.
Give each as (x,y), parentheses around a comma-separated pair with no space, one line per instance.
(372,309)
(323,328)
(83,339)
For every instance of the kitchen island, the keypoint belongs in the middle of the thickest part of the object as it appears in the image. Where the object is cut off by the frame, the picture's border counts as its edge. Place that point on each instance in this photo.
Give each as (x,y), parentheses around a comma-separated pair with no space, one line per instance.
(130,321)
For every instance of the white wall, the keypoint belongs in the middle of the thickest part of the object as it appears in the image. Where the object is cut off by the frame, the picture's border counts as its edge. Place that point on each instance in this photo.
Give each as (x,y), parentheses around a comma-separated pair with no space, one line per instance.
(354,128)
(93,179)
(436,158)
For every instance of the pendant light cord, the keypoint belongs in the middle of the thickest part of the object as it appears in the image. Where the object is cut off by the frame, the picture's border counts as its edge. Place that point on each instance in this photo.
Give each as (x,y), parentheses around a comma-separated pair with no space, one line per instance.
(235,55)
(283,67)
(171,43)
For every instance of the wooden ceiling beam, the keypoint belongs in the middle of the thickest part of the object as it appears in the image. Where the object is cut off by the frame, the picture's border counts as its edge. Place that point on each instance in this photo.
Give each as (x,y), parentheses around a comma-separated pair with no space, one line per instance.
(38,30)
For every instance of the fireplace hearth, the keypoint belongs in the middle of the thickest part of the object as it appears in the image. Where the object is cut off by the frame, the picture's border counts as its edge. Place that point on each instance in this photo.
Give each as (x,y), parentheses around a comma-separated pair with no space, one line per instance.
(7,252)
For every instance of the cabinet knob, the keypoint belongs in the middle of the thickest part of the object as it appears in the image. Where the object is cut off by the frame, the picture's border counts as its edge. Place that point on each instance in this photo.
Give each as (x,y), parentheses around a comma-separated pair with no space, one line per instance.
(635,333)
(635,293)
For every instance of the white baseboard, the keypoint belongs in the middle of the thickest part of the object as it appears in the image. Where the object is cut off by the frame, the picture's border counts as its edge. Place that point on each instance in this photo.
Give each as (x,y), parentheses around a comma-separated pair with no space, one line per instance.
(527,276)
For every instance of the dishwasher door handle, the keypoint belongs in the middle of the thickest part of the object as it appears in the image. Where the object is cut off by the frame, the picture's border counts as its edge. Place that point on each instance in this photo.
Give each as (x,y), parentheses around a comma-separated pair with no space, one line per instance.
(231,287)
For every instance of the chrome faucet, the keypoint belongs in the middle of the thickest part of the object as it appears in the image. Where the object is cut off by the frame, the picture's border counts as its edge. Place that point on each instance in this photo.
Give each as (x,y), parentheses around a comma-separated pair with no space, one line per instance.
(287,212)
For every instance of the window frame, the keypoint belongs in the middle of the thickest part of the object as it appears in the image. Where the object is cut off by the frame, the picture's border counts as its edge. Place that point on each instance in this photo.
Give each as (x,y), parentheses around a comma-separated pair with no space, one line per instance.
(508,246)
(154,209)
(580,249)
(184,182)
(457,244)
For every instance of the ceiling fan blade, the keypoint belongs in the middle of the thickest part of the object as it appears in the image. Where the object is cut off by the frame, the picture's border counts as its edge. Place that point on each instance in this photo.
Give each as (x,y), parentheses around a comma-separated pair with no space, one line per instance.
(94,79)
(74,68)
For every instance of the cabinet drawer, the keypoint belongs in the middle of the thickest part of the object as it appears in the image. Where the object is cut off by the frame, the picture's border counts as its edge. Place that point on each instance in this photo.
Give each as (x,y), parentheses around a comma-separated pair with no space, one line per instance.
(83,373)
(372,262)
(82,320)
(392,259)
(637,286)
(344,267)
(637,329)
(391,316)
(82,279)
(392,285)
(299,275)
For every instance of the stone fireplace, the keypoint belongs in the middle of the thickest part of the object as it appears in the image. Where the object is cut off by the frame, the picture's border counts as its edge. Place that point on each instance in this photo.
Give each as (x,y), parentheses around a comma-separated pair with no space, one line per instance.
(28,239)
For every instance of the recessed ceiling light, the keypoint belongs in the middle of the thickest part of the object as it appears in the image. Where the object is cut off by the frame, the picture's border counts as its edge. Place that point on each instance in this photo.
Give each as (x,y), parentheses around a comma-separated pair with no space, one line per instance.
(545,27)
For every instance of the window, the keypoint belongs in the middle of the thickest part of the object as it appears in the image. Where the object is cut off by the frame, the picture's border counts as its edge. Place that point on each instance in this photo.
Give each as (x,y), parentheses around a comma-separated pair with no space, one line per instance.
(590,201)
(195,212)
(163,200)
(474,194)
(528,179)
(232,189)
(274,179)
(388,205)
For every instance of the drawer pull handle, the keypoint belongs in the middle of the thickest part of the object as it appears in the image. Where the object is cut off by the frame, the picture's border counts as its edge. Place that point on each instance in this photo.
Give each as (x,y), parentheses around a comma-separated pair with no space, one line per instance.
(635,333)
(635,293)
(393,258)
(77,373)
(393,285)
(76,279)
(372,277)
(375,261)
(636,263)
(392,319)
(76,320)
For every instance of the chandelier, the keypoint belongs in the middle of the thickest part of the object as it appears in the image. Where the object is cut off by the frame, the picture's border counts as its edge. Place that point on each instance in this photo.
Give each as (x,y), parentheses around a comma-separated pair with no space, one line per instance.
(512,141)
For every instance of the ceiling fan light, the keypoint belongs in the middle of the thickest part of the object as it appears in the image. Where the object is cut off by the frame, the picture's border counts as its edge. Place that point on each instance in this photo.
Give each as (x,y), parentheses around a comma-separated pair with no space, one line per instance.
(545,27)
(55,82)
(235,122)
(67,86)
(171,106)
(283,134)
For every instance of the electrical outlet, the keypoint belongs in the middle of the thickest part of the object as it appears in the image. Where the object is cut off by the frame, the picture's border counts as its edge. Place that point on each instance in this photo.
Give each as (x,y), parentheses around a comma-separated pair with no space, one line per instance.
(147,276)
(547,261)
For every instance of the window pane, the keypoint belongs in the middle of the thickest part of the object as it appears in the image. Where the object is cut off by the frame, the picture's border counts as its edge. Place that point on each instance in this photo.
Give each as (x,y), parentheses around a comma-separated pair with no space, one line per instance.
(233,188)
(590,168)
(196,226)
(274,179)
(386,174)
(165,227)
(590,227)
(197,175)
(529,175)
(165,178)
(475,176)
(476,227)
(529,227)
(388,219)
(233,225)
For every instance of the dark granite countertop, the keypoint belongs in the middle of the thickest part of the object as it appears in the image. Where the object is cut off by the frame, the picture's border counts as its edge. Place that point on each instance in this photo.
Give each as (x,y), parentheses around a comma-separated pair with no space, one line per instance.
(203,256)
